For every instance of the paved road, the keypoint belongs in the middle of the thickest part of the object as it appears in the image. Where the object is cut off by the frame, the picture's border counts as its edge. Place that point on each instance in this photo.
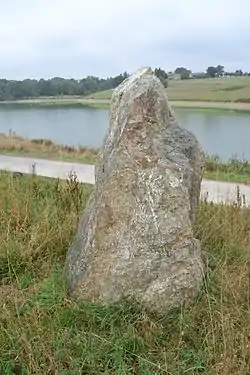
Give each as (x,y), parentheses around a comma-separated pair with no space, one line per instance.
(214,190)
(47,168)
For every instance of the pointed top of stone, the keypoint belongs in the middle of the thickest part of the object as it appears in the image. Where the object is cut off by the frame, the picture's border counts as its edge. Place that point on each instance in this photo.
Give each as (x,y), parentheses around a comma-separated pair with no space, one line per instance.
(133,78)
(138,82)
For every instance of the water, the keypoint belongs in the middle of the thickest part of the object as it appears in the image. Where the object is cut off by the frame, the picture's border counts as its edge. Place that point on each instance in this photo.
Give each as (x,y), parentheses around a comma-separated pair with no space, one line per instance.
(222,134)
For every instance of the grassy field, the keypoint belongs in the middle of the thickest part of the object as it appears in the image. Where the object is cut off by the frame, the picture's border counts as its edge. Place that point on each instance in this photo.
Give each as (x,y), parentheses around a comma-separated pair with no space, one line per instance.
(233,89)
(43,331)
(12,144)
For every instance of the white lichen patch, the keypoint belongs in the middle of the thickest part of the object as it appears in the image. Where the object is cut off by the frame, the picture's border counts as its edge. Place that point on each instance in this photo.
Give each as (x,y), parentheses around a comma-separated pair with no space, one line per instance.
(174,181)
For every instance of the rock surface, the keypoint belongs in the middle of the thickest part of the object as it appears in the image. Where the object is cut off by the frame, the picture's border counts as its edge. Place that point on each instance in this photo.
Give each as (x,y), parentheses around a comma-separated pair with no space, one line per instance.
(135,237)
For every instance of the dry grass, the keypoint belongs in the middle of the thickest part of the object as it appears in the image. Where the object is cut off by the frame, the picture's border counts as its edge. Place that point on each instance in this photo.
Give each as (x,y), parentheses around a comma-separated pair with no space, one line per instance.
(16,145)
(42,331)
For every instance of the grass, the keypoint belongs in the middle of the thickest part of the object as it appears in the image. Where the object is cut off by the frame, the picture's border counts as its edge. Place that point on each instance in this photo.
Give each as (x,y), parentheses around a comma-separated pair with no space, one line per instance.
(232,89)
(235,170)
(42,331)
(69,101)
(13,144)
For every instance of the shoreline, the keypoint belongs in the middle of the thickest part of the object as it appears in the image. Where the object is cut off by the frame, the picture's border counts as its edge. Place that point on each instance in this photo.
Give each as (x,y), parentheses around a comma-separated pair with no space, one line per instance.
(90,160)
(14,145)
(211,190)
(229,107)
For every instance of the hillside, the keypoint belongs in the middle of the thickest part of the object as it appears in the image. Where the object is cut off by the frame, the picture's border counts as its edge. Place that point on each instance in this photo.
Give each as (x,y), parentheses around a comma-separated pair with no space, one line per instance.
(235,89)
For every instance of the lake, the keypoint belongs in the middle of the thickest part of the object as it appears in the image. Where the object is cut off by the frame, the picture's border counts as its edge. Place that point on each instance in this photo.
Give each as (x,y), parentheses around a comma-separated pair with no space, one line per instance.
(222,134)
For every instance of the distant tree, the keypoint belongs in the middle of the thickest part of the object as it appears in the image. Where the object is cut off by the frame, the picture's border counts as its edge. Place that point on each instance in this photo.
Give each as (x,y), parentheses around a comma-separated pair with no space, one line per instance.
(220,70)
(180,70)
(238,72)
(183,72)
(57,86)
(119,79)
(215,71)
(212,71)
(162,75)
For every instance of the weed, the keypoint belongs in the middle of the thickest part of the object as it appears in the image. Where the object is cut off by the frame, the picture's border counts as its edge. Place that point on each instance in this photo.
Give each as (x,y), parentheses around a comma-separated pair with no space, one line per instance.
(237,170)
(42,331)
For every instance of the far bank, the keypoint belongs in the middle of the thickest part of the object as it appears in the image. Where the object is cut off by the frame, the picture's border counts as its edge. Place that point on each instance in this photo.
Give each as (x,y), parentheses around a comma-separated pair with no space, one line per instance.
(203,106)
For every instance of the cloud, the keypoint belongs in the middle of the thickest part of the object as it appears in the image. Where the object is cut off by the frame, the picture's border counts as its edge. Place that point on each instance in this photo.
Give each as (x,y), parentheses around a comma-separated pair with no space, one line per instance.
(45,38)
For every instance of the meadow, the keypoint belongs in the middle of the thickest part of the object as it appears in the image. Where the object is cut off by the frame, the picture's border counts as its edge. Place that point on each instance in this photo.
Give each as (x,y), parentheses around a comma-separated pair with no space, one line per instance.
(228,89)
(43,331)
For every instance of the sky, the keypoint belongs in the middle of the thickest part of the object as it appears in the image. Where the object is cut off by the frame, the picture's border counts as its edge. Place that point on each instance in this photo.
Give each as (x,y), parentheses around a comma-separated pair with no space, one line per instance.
(76,38)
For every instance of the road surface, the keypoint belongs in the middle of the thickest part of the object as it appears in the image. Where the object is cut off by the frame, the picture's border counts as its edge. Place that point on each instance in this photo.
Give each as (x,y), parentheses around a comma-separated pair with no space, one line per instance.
(215,191)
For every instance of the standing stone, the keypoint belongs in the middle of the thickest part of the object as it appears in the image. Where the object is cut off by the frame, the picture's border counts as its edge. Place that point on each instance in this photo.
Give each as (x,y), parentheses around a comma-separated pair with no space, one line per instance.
(135,237)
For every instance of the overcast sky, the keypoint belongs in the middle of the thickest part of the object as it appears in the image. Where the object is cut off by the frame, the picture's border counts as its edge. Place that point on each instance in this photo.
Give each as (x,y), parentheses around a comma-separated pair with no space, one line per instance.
(75,38)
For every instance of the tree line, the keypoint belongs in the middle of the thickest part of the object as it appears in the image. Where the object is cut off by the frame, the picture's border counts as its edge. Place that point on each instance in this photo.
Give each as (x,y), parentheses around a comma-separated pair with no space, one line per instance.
(57,86)
(211,72)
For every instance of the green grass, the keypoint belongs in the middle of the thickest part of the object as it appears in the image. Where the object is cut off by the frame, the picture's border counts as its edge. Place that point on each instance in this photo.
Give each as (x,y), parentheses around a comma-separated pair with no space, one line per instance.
(56,102)
(235,170)
(101,95)
(46,154)
(212,110)
(233,89)
(43,331)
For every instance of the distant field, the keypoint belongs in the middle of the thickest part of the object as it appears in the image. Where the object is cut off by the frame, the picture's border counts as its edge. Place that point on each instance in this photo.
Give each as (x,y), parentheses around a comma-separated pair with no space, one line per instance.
(231,89)
(203,94)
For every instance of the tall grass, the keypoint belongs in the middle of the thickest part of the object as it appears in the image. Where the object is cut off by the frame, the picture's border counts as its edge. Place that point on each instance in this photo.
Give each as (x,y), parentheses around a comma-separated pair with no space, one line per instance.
(234,169)
(14,144)
(42,331)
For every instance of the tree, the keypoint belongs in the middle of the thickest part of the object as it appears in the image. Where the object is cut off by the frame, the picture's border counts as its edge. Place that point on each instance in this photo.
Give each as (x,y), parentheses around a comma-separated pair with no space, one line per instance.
(220,70)
(57,86)
(239,72)
(185,74)
(162,75)
(119,79)
(215,71)
(212,71)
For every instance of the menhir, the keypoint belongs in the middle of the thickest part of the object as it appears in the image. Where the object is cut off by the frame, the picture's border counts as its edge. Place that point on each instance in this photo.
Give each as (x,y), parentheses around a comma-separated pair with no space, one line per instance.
(135,238)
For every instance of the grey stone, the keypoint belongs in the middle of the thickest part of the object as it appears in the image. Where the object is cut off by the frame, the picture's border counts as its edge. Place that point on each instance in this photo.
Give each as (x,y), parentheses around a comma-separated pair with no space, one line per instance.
(135,238)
